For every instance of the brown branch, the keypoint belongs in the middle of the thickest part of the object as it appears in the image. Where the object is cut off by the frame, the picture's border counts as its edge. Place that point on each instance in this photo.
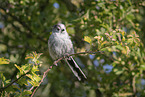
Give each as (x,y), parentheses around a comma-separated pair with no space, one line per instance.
(133,86)
(3,88)
(44,75)
(55,63)
(86,52)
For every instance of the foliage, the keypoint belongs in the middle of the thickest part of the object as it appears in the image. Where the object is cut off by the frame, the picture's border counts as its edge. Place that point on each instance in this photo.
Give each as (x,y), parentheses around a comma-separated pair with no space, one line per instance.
(27,76)
(113,30)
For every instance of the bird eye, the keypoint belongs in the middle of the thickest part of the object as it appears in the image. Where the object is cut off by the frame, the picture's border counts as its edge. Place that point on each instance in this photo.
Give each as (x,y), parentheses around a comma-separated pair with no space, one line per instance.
(62,30)
(57,28)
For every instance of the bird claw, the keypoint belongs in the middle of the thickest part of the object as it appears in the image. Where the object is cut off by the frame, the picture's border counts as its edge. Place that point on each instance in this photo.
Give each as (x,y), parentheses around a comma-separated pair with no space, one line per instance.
(66,56)
(55,63)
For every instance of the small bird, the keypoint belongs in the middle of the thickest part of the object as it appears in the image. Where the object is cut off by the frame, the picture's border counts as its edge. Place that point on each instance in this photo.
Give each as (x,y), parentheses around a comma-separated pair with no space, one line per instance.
(59,45)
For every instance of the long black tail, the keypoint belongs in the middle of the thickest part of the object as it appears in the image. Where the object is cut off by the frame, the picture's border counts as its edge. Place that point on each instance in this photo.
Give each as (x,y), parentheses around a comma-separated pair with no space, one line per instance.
(75,69)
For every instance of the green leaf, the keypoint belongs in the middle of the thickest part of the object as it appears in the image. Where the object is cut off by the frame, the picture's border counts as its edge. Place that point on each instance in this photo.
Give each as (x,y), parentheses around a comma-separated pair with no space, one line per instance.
(118,71)
(35,68)
(19,68)
(33,83)
(119,47)
(36,77)
(142,66)
(88,39)
(4,61)
(22,81)
(10,89)
(26,92)
(129,2)
(3,77)
(16,87)
(30,76)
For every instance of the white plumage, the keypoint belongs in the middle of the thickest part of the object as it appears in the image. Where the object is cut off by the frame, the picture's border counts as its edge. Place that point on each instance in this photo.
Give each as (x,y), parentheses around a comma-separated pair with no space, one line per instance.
(59,44)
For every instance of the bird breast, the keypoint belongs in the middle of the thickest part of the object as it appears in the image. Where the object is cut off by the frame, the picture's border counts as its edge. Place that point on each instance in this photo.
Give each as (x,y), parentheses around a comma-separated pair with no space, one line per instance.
(59,45)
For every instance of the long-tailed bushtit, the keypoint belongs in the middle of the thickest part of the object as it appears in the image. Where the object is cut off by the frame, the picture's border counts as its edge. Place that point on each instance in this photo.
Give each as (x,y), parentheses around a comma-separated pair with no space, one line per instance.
(59,45)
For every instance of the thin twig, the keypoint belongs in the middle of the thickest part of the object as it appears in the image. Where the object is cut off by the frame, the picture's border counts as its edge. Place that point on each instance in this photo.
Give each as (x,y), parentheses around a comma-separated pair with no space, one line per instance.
(133,86)
(55,63)
(86,52)
(44,75)
(3,88)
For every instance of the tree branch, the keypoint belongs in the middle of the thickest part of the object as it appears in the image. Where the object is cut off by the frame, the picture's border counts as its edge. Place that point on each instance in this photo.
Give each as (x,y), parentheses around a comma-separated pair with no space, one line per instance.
(55,63)
(133,86)
(3,88)
(86,52)
(44,75)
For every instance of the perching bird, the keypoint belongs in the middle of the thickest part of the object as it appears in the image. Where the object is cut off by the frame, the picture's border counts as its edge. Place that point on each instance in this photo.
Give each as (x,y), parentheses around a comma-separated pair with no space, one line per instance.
(59,45)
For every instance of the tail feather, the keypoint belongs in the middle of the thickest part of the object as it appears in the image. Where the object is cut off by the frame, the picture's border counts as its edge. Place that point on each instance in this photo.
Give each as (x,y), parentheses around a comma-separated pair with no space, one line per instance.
(75,69)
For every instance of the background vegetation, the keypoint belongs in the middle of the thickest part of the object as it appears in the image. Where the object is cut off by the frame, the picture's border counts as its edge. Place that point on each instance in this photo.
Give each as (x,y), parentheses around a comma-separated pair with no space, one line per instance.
(113,29)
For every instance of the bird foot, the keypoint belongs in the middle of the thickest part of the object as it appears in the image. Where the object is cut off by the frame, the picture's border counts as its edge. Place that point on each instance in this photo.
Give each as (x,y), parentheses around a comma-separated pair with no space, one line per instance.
(55,63)
(66,56)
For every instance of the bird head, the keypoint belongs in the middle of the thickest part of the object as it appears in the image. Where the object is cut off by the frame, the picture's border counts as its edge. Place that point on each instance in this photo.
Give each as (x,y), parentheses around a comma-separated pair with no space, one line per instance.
(59,28)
